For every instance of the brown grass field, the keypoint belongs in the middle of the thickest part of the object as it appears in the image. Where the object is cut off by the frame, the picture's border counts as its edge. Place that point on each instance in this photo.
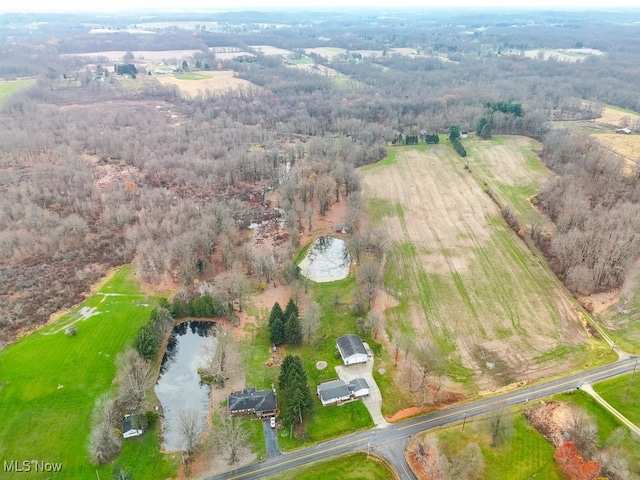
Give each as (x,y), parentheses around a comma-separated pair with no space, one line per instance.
(563,55)
(216,83)
(465,280)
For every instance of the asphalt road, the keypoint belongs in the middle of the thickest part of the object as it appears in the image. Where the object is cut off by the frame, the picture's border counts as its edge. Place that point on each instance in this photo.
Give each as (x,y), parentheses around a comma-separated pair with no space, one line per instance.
(390,442)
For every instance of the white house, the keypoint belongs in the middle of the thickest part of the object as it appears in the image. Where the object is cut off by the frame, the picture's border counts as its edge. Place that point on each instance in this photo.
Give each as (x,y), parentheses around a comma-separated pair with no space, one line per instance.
(359,387)
(128,429)
(337,391)
(351,349)
(333,391)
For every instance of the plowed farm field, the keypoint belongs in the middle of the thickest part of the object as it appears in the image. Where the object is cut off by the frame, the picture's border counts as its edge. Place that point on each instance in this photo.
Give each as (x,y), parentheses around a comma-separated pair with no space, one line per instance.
(465,281)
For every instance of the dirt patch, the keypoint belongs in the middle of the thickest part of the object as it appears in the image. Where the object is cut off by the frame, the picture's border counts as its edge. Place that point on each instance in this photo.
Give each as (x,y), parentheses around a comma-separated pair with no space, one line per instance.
(406,413)
(597,303)
(321,365)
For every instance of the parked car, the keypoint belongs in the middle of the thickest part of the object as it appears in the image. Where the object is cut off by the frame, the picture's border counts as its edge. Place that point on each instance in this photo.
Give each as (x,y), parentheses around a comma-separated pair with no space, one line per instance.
(272,422)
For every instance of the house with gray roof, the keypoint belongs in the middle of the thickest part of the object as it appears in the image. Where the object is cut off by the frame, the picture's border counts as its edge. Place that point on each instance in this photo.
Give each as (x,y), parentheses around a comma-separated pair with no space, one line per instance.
(262,403)
(130,427)
(337,391)
(351,349)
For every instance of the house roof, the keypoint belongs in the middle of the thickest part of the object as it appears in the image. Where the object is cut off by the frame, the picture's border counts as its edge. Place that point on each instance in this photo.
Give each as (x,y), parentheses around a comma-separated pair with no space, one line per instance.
(332,390)
(358,384)
(252,399)
(128,423)
(350,344)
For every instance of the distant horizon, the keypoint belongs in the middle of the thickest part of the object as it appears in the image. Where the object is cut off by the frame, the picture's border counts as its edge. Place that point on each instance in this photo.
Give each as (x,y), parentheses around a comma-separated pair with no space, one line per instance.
(196,6)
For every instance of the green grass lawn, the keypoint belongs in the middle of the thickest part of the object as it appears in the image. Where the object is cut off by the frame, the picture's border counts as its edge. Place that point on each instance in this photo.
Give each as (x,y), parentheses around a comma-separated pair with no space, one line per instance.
(355,466)
(12,86)
(623,324)
(606,422)
(192,76)
(611,433)
(51,381)
(622,393)
(525,454)
(337,319)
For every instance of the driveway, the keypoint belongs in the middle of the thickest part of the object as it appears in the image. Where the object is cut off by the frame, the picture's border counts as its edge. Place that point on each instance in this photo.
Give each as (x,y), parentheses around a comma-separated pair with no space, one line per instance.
(373,401)
(270,439)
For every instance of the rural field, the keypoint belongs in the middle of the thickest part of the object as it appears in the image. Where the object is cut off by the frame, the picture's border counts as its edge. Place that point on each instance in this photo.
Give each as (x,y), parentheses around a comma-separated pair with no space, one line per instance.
(464,280)
(10,87)
(49,382)
(202,83)
(562,54)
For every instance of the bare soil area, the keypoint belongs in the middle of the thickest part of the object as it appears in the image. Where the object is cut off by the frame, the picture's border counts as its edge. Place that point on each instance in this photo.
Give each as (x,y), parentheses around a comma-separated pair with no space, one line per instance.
(474,287)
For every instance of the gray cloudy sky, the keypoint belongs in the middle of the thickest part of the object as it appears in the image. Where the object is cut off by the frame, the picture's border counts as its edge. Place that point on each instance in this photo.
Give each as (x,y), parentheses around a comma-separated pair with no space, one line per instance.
(116,5)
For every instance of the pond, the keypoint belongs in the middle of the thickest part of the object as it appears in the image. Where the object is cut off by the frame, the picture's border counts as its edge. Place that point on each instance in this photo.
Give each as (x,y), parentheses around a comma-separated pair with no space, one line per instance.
(326,261)
(179,386)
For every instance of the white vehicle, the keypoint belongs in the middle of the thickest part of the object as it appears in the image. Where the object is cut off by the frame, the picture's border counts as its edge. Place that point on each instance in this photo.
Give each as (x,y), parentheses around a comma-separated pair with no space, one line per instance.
(272,422)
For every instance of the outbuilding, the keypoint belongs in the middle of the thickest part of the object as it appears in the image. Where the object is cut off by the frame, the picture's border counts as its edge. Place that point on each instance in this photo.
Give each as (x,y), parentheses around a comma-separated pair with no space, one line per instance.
(351,349)
(129,429)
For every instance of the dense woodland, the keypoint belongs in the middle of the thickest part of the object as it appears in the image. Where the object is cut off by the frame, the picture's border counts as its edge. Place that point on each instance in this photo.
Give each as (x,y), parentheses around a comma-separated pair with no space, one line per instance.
(94,173)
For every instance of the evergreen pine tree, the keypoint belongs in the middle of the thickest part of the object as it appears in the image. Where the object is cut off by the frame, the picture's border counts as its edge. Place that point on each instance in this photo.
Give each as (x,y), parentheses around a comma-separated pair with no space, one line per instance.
(277,325)
(295,396)
(293,330)
(276,311)
(291,308)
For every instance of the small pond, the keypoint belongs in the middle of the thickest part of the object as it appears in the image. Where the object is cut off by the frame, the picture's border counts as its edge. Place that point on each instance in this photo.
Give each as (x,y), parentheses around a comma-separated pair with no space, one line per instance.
(327,260)
(179,386)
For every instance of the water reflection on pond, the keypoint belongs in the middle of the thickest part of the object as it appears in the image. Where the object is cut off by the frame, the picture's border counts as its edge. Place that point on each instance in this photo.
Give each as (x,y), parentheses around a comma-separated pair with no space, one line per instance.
(327,260)
(179,386)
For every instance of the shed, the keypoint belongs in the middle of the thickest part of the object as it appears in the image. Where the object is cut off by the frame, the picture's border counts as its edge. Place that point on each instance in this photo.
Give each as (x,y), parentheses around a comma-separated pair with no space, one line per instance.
(129,429)
(624,131)
(351,349)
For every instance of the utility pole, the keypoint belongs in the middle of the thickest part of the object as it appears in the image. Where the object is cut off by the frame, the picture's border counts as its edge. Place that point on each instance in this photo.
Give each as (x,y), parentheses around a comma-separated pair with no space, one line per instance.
(464,421)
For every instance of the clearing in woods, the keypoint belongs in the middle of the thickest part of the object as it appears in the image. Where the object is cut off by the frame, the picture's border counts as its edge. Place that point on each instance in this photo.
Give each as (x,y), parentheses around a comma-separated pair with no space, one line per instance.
(207,82)
(464,279)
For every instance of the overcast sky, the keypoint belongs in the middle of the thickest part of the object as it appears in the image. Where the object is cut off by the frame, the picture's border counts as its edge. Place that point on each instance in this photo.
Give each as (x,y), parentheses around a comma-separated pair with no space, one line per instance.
(121,5)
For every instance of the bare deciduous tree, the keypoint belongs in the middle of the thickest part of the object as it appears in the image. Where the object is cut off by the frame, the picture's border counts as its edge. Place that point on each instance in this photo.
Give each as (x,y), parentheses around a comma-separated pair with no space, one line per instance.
(500,425)
(134,378)
(230,436)
(311,321)
(190,426)
(468,463)
(104,440)
(583,430)
(369,279)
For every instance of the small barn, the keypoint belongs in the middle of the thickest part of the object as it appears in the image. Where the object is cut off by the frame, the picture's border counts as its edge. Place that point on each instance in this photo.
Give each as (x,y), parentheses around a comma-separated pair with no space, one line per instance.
(624,131)
(129,429)
(351,349)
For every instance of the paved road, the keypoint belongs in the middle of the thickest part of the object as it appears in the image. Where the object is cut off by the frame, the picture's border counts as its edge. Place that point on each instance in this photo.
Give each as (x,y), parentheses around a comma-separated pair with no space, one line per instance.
(390,442)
